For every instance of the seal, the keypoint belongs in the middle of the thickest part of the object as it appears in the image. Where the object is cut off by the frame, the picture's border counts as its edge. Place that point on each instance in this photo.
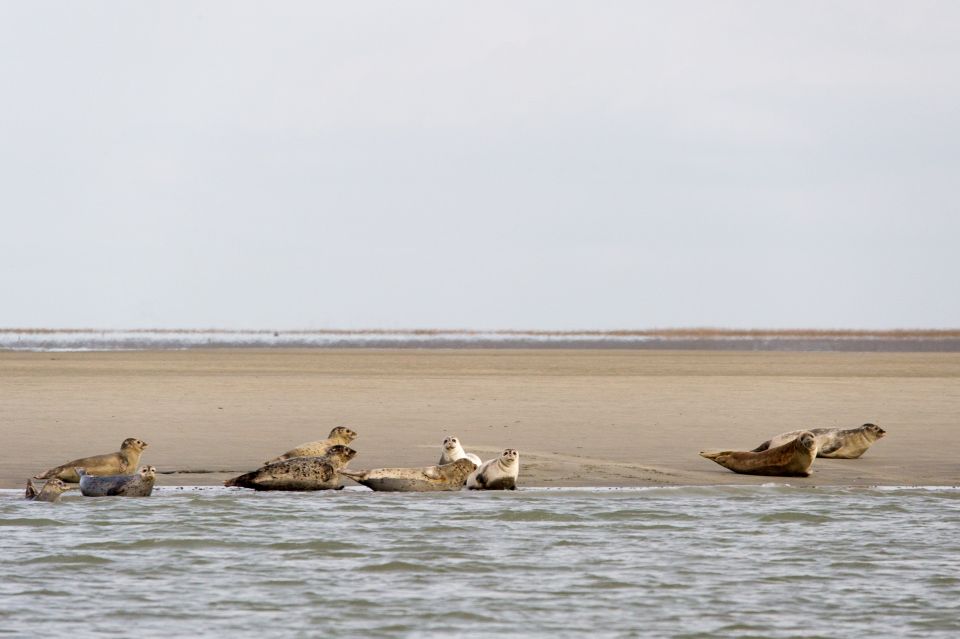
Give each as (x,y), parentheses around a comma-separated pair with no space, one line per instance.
(415,480)
(792,459)
(339,435)
(835,443)
(299,473)
(497,474)
(51,491)
(117,463)
(137,485)
(451,451)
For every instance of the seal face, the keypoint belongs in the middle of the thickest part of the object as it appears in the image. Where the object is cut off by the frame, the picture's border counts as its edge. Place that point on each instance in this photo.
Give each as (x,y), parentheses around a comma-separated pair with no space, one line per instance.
(452,450)
(137,485)
(299,473)
(497,474)
(792,459)
(119,463)
(339,435)
(51,491)
(429,478)
(836,443)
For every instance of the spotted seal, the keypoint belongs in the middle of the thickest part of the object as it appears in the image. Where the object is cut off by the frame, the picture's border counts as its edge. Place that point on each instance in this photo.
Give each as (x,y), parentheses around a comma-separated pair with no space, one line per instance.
(429,478)
(119,463)
(451,451)
(836,443)
(51,491)
(792,459)
(139,484)
(497,474)
(339,435)
(299,473)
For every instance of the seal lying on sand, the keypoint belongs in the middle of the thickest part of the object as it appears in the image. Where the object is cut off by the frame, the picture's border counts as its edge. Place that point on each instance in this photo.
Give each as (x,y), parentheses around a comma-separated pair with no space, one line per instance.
(833,442)
(299,473)
(447,477)
(51,491)
(497,474)
(792,459)
(120,463)
(339,435)
(138,485)
(451,451)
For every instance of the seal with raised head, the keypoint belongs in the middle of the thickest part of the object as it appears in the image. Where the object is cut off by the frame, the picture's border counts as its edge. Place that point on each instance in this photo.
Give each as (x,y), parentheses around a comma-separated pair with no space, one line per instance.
(836,443)
(120,463)
(497,474)
(139,484)
(51,491)
(416,480)
(340,435)
(792,459)
(452,450)
(299,473)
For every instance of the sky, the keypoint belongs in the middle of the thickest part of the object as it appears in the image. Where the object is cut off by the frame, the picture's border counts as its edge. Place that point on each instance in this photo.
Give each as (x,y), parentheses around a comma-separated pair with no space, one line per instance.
(499,164)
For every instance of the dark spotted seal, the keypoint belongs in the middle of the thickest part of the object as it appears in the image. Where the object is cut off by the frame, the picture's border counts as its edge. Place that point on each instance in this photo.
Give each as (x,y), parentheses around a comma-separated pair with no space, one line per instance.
(429,478)
(51,491)
(340,435)
(136,485)
(120,463)
(497,474)
(452,450)
(299,473)
(792,459)
(833,442)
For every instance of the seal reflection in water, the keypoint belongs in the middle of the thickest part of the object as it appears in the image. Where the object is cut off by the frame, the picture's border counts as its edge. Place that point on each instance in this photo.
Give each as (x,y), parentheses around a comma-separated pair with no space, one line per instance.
(497,474)
(119,463)
(447,477)
(138,485)
(51,491)
(835,443)
(299,473)
(341,435)
(792,459)
(452,450)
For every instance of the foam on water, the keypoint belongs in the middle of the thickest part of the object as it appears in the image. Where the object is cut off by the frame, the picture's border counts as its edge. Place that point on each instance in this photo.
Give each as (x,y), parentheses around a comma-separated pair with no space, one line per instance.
(736,561)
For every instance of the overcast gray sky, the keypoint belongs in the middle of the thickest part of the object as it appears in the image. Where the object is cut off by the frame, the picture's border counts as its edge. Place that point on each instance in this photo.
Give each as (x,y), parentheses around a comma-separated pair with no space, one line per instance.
(486,164)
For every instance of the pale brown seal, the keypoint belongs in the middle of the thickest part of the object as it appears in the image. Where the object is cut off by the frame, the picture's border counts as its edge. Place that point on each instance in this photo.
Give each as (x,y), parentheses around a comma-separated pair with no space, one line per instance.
(119,463)
(497,474)
(136,485)
(452,450)
(299,473)
(51,491)
(836,443)
(339,435)
(792,459)
(429,478)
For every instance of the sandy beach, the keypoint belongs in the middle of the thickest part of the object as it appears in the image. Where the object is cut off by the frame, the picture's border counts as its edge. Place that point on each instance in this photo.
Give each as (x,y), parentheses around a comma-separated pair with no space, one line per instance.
(578,417)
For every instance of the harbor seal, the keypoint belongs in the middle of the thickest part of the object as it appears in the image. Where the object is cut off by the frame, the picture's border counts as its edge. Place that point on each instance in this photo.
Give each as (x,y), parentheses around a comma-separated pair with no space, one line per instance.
(119,463)
(497,474)
(792,459)
(51,491)
(451,451)
(339,435)
(137,485)
(835,443)
(429,478)
(299,473)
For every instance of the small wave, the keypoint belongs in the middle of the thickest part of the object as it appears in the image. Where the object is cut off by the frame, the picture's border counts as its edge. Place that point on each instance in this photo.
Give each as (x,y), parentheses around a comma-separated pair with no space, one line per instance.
(69,559)
(29,522)
(788,517)
(392,566)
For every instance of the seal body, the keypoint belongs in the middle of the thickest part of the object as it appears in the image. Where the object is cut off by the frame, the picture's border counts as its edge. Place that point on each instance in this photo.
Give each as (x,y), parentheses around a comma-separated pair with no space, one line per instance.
(836,443)
(792,459)
(51,491)
(340,435)
(497,474)
(123,462)
(452,450)
(429,478)
(298,473)
(137,485)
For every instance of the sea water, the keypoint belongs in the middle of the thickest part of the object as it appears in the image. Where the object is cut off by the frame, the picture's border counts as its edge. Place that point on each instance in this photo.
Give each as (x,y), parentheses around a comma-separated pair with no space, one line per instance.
(769,561)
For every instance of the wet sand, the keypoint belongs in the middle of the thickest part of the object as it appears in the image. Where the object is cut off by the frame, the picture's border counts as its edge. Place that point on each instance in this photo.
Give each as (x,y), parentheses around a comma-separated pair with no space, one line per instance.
(578,417)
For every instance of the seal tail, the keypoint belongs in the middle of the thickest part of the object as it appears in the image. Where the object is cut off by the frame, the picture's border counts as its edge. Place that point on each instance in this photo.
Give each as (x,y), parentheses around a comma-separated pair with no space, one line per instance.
(356,475)
(714,454)
(49,474)
(241,481)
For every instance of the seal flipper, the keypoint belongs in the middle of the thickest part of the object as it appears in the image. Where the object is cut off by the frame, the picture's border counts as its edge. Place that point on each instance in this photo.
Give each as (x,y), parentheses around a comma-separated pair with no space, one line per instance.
(762,447)
(832,447)
(31,492)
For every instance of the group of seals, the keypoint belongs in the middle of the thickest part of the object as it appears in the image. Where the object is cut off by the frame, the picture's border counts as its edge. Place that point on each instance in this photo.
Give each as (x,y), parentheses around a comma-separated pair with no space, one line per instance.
(791,454)
(111,474)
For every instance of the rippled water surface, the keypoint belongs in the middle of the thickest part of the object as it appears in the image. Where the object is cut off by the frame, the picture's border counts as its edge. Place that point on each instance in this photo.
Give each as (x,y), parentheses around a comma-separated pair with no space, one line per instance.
(683,562)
